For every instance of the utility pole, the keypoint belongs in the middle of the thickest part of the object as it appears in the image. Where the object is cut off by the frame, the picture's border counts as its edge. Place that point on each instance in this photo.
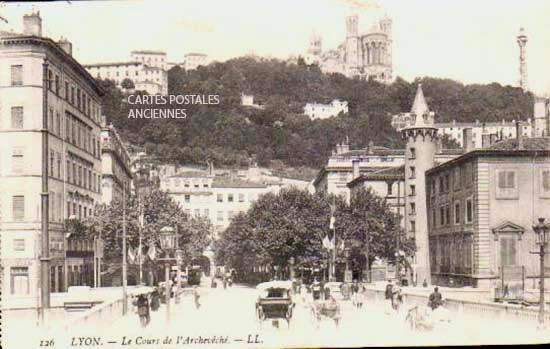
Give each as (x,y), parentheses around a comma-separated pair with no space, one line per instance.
(124,266)
(397,243)
(367,243)
(45,234)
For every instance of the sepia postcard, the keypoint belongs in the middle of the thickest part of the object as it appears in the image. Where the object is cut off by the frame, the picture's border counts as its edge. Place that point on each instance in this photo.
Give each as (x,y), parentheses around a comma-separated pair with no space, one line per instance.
(274,174)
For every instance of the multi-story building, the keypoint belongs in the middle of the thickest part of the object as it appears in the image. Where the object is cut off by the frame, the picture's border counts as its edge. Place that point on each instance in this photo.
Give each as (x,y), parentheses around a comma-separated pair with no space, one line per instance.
(50,158)
(116,173)
(481,131)
(324,111)
(481,208)
(218,198)
(541,111)
(367,55)
(334,177)
(148,71)
(194,60)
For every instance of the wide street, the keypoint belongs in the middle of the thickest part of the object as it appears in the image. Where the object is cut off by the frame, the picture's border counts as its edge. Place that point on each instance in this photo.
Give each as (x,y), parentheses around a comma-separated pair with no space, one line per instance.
(230,313)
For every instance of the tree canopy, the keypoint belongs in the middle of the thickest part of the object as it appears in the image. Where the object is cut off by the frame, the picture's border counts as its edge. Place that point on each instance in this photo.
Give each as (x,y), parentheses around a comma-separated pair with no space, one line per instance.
(231,134)
(293,223)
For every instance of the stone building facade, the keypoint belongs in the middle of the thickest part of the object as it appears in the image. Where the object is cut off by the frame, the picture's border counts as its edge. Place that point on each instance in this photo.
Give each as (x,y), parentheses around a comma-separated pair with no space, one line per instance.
(50,115)
(366,55)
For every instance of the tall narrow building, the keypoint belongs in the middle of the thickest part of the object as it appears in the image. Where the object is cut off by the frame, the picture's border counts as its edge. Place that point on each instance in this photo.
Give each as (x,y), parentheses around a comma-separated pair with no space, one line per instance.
(522,42)
(421,136)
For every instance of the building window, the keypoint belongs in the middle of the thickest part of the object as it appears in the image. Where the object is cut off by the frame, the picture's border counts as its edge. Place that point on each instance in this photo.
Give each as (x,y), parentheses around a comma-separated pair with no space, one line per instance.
(187,198)
(441,185)
(241,197)
(413,172)
(434,218)
(442,215)
(57,84)
(67,91)
(16,75)
(19,245)
(457,213)
(19,280)
(506,184)
(412,153)
(447,215)
(456,180)
(219,198)
(413,226)
(413,208)
(18,206)
(469,211)
(220,216)
(230,215)
(413,190)
(229,197)
(17,117)
(508,255)
(545,183)
(17,161)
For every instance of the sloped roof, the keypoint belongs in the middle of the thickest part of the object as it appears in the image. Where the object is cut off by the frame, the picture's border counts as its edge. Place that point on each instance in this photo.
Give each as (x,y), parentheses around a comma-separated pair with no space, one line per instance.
(419,107)
(235,183)
(540,143)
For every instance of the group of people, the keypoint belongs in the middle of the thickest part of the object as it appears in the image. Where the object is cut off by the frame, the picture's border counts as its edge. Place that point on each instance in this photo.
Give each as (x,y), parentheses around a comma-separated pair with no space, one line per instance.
(394,298)
(145,303)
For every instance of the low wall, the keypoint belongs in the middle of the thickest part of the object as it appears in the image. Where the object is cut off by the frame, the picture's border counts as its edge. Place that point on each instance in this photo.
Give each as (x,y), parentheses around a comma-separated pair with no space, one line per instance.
(477,309)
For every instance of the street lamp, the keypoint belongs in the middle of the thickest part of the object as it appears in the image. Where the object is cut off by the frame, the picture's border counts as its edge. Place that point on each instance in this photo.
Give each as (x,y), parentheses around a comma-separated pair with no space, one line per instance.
(347,277)
(542,236)
(168,244)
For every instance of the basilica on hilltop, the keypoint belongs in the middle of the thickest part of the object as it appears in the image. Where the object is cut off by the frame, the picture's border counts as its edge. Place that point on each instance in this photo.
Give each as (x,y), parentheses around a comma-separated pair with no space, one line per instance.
(365,55)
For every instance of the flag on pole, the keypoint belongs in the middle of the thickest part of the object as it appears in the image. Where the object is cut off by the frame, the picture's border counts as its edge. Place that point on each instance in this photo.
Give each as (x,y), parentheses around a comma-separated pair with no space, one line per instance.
(131,255)
(332,221)
(326,242)
(152,253)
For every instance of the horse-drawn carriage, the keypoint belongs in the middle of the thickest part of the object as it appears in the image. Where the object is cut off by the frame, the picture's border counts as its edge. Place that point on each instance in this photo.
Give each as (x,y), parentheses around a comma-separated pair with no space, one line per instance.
(274,302)
(329,307)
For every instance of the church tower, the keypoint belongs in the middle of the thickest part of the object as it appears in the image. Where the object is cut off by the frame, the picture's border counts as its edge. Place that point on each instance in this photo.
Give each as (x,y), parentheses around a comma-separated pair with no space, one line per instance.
(421,137)
(351,59)
(522,42)
(315,44)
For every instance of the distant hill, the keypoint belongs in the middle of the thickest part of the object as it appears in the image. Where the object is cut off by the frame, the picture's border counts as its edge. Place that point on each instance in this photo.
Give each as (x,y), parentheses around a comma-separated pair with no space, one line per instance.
(230,134)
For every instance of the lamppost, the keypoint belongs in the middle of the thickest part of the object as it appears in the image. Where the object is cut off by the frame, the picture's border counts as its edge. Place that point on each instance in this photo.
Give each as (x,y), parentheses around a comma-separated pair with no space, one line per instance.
(168,244)
(542,234)
(291,262)
(347,273)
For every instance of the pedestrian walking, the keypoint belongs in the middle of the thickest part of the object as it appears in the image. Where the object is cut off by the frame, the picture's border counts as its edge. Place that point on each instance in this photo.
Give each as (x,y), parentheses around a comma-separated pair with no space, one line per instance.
(143,310)
(355,294)
(155,300)
(316,288)
(388,294)
(196,296)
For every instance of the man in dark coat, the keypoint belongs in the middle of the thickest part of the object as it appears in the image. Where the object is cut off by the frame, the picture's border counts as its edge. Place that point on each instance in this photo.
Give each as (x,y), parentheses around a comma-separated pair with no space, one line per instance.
(435,299)
(155,300)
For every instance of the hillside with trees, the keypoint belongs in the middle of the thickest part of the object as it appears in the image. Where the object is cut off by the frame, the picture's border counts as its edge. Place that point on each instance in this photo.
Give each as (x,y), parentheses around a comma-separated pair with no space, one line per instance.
(231,135)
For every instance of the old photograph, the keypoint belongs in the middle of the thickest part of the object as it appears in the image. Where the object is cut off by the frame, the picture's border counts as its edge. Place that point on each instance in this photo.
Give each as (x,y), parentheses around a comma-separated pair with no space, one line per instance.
(274,174)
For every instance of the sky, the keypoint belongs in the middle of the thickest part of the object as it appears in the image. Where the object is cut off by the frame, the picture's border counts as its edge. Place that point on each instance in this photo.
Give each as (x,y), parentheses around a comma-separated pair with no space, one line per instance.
(472,41)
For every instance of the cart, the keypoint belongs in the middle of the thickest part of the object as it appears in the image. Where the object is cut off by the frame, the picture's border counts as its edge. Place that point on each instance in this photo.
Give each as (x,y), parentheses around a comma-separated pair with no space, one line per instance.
(328,309)
(274,302)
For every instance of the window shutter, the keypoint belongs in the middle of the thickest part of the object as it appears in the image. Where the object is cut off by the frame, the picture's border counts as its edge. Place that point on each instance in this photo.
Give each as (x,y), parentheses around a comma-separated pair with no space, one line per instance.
(17,117)
(502,179)
(18,208)
(511,179)
(546,180)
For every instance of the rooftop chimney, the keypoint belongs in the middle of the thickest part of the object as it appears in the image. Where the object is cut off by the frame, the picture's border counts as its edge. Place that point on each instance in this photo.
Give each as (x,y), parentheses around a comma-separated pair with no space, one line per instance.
(519,136)
(355,165)
(32,24)
(467,140)
(66,46)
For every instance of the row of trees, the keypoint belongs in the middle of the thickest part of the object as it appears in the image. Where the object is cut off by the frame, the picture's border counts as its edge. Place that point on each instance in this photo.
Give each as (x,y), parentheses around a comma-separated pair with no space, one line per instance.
(159,210)
(294,222)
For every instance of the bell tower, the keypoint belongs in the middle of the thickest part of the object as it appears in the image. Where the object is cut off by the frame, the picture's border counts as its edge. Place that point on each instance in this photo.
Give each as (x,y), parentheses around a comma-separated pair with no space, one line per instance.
(352,43)
(421,137)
